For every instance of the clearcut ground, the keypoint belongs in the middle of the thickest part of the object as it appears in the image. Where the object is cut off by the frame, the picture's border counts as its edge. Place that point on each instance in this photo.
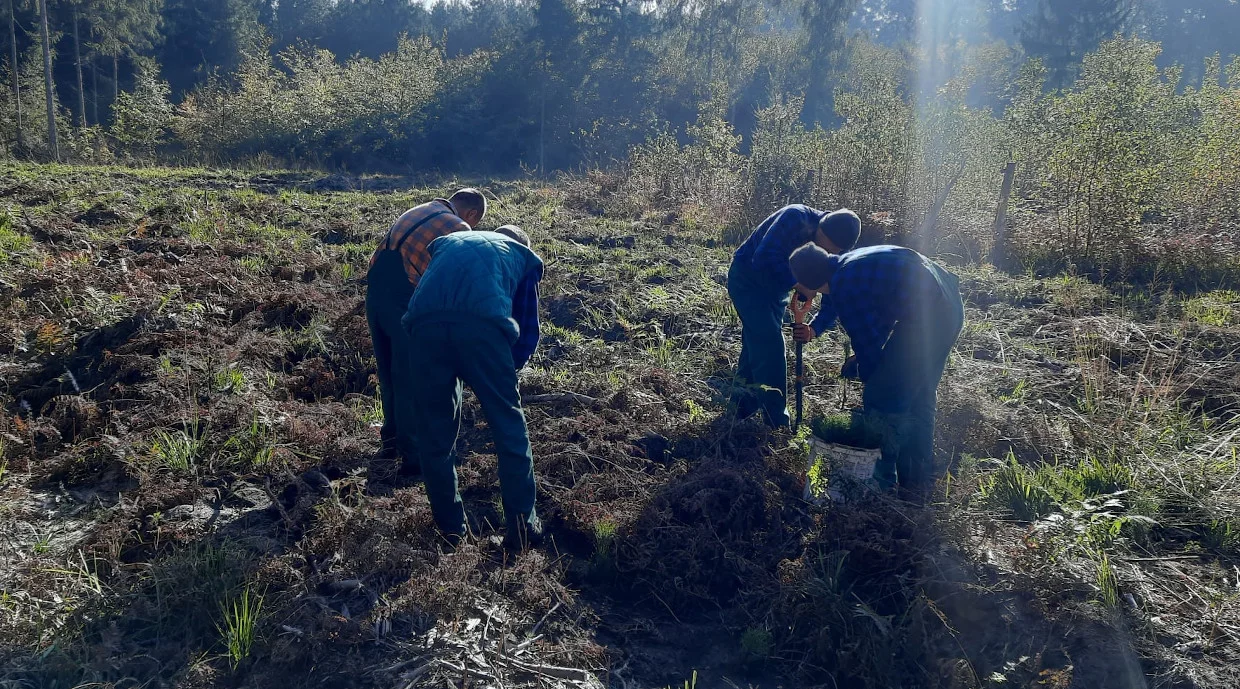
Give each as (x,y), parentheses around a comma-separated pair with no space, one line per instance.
(187,417)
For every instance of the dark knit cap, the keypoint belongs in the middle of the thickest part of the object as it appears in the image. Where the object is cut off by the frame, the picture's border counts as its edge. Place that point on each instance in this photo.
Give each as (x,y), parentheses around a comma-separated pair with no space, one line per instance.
(842,227)
(812,266)
(514,232)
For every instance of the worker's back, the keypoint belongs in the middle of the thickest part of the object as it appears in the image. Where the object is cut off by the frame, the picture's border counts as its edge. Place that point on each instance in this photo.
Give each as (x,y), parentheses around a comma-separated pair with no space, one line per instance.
(892,279)
(472,276)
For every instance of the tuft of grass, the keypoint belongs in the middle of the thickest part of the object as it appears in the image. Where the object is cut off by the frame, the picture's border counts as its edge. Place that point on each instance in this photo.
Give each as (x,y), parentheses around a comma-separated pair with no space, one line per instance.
(1221,535)
(254,446)
(230,379)
(689,683)
(1107,582)
(1216,308)
(1094,367)
(177,450)
(1017,491)
(239,626)
(603,560)
(311,340)
(371,410)
(256,265)
(757,644)
(662,354)
(1102,477)
(604,535)
(42,544)
(12,242)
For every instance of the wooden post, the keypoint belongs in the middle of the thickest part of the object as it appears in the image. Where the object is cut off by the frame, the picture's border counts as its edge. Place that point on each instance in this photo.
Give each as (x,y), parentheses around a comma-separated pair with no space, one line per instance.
(998,252)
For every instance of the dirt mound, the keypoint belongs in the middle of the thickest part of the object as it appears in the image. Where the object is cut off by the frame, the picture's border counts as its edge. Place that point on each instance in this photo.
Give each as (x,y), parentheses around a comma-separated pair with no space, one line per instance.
(701,539)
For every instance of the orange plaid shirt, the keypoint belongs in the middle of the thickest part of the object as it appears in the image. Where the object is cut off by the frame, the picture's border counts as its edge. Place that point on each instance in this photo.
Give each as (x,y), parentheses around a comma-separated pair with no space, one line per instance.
(414,231)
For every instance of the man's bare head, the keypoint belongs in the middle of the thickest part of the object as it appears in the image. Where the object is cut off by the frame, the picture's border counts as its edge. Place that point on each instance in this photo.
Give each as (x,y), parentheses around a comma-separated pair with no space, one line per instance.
(470,205)
(515,233)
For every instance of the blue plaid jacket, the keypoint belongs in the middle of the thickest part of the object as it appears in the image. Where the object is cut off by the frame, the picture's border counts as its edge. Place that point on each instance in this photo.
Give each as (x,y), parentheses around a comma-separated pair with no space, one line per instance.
(766,252)
(874,288)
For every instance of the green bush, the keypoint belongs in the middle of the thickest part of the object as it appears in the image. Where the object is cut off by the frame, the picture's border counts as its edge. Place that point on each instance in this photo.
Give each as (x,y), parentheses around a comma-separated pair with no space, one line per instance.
(304,105)
(143,117)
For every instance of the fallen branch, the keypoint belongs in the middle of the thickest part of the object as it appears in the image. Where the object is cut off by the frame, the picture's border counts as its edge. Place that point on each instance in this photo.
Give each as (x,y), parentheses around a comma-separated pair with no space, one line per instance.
(558,397)
(565,673)
(534,632)
(462,669)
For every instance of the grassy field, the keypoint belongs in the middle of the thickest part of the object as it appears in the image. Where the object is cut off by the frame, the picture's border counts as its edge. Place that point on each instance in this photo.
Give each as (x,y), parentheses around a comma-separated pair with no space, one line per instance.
(188,411)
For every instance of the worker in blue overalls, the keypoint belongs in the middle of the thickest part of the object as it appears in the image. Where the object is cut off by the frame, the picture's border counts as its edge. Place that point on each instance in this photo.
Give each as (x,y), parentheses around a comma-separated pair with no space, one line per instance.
(903,313)
(760,284)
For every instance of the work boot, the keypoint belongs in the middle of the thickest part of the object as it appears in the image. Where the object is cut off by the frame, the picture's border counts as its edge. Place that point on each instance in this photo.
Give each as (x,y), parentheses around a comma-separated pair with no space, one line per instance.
(917,494)
(383,464)
(745,403)
(410,468)
(451,540)
(523,532)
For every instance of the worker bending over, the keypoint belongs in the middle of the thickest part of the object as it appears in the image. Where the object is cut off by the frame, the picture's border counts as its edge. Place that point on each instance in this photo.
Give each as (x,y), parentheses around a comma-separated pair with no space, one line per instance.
(395,268)
(903,313)
(474,319)
(759,283)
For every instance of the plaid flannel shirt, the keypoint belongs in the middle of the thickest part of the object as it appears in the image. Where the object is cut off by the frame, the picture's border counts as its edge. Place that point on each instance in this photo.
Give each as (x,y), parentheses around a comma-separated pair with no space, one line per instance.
(767,250)
(874,288)
(414,231)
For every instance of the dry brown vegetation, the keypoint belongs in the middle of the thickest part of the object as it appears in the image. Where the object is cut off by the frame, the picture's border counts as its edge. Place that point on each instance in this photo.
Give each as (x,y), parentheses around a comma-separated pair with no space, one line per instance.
(187,420)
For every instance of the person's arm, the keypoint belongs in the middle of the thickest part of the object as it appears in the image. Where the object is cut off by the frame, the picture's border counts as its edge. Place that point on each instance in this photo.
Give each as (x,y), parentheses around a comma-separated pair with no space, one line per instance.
(785,234)
(862,325)
(825,320)
(525,313)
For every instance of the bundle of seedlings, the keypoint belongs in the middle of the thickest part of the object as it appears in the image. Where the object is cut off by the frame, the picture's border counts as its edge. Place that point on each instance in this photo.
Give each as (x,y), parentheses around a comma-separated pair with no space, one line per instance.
(843,450)
(859,430)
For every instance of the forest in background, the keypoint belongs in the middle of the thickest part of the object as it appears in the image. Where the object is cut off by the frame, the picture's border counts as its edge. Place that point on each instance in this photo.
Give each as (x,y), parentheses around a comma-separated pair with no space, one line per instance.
(1123,117)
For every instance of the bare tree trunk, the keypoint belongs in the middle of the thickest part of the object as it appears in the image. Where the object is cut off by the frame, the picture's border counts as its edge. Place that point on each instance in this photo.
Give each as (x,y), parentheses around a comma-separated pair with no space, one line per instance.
(542,130)
(16,69)
(116,77)
(77,54)
(927,231)
(94,88)
(47,85)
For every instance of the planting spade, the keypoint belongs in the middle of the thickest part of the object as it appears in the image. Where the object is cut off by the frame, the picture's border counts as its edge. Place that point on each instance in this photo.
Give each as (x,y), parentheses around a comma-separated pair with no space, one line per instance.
(799,309)
(844,383)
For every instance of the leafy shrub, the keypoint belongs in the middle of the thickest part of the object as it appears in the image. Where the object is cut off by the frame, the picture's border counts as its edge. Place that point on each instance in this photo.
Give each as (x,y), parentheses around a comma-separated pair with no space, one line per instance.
(142,117)
(1121,174)
(307,106)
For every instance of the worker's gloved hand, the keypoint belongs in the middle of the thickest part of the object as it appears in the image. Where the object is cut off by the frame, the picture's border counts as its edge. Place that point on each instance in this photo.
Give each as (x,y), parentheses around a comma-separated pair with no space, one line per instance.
(803,333)
(849,370)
